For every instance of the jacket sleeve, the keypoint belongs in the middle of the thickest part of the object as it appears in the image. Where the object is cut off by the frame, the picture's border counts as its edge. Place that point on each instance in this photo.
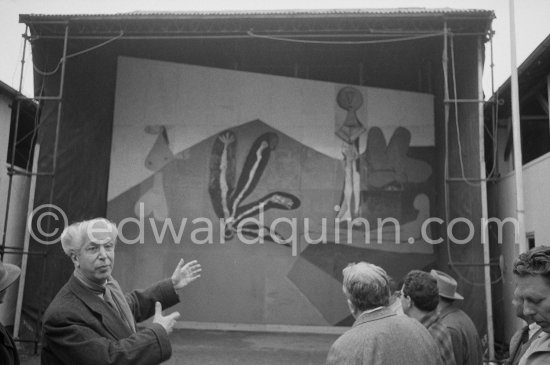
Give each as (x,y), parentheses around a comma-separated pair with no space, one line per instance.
(76,342)
(142,302)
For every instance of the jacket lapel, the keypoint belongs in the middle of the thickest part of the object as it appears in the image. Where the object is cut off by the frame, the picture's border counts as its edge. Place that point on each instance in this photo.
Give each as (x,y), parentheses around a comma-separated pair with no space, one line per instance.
(110,320)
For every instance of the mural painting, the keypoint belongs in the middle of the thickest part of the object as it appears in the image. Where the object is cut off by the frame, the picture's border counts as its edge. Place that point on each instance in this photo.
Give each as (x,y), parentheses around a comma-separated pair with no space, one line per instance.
(273,184)
(227,198)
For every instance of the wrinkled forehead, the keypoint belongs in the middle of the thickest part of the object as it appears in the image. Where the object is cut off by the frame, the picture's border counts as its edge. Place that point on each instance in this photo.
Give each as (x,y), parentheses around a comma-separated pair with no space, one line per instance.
(530,284)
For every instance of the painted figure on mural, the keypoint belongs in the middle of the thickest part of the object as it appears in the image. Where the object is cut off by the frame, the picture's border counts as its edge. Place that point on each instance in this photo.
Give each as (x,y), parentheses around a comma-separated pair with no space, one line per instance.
(350,99)
(153,201)
(383,181)
(228,194)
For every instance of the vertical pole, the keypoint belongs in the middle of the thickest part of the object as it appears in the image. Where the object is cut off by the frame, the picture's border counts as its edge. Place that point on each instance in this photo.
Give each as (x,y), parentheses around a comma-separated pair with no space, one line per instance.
(59,109)
(13,149)
(54,163)
(516,130)
(484,208)
(25,259)
(548,99)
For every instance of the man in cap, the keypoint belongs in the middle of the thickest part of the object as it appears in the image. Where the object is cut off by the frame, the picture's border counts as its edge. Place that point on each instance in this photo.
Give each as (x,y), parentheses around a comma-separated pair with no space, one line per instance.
(8,352)
(532,271)
(379,336)
(90,321)
(467,345)
(419,299)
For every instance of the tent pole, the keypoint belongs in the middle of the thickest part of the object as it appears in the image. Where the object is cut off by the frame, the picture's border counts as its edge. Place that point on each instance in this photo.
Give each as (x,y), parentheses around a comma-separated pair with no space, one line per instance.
(516,130)
(24,260)
(484,208)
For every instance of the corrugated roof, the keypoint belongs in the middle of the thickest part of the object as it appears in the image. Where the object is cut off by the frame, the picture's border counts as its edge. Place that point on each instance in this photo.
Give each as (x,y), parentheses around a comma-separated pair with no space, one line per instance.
(531,73)
(285,12)
(312,22)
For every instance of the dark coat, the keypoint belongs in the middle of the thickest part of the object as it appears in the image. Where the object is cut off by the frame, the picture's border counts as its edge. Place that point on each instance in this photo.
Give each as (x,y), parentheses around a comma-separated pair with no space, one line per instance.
(8,351)
(467,345)
(81,328)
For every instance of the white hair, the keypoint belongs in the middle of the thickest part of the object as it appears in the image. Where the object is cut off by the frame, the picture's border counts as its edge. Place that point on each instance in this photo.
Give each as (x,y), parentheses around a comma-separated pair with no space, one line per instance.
(99,230)
(366,285)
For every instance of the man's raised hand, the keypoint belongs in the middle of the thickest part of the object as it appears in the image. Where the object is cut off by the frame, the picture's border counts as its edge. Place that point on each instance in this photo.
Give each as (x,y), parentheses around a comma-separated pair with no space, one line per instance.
(185,274)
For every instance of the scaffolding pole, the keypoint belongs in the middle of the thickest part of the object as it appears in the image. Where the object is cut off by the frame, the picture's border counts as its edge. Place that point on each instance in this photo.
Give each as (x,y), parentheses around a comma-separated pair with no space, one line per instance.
(516,131)
(485,212)
(34,175)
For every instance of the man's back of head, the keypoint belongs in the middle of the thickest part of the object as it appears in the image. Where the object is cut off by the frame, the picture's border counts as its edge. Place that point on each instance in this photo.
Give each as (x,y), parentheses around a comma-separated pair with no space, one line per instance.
(366,286)
(421,288)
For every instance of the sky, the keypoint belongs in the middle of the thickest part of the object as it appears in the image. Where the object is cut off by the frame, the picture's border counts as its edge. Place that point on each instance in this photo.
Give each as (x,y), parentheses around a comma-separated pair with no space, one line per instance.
(531,24)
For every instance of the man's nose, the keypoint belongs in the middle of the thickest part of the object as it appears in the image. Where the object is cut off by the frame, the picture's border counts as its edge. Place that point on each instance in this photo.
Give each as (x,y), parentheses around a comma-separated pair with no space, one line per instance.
(528,309)
(102,252)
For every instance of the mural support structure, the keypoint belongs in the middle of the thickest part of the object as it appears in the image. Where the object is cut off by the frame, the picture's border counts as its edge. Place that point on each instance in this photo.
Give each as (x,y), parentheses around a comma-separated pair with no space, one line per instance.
(25,252)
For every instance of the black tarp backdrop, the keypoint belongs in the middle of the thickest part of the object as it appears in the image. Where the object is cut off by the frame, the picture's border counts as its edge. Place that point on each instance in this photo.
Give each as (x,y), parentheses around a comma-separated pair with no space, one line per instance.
(79,185)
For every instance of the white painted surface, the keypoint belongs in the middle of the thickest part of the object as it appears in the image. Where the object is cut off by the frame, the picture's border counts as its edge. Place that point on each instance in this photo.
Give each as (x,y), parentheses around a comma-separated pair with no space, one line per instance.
(196,102)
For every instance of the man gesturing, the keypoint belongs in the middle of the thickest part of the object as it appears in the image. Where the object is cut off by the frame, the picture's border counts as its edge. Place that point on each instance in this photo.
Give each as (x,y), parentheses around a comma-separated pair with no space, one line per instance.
(91,321)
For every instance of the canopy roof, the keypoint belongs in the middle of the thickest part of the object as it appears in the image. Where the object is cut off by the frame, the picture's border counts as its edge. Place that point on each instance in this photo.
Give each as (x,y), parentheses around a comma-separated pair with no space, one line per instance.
(334,22)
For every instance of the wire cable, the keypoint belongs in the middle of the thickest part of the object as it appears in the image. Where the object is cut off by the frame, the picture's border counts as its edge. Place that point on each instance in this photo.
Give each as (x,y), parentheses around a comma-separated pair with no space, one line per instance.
(378,41)
(49,73)
(452,264)
(457,126)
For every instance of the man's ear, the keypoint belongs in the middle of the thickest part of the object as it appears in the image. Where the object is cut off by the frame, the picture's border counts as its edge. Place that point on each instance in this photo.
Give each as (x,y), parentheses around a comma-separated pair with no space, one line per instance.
(74,259)
(352,308)
(407,302)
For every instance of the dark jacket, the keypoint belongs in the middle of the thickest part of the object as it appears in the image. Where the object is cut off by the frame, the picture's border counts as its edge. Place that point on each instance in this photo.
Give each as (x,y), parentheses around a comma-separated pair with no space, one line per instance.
(8,351)
(81,328)
(467,345)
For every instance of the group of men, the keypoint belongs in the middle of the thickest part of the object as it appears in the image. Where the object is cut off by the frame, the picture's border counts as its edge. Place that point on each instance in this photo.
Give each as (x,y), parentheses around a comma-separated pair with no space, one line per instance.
(91,321)
(432,331)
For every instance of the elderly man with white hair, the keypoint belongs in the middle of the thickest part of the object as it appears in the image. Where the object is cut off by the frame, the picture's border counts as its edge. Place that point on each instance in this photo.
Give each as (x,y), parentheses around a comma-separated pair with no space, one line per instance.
(379,336)
(90,320)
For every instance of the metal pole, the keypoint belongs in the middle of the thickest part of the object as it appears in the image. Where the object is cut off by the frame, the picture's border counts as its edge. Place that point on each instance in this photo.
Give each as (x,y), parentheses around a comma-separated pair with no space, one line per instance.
(54,162)
(26,244)
(516,130)
(13,149)
(484,208)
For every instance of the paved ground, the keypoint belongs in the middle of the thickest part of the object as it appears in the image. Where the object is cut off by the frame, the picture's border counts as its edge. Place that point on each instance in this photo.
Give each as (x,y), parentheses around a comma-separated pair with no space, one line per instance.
(204,347)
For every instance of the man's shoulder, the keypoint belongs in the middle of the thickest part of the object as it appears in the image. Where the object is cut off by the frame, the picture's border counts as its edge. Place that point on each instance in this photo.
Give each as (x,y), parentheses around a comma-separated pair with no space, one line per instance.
(399,325)
(539,350)
(439,327)
(381,336)
(460,322)
(63,303)
(457,318)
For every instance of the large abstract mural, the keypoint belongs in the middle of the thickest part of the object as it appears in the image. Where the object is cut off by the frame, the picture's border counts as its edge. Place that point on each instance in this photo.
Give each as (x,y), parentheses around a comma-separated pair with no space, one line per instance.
(274,184)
